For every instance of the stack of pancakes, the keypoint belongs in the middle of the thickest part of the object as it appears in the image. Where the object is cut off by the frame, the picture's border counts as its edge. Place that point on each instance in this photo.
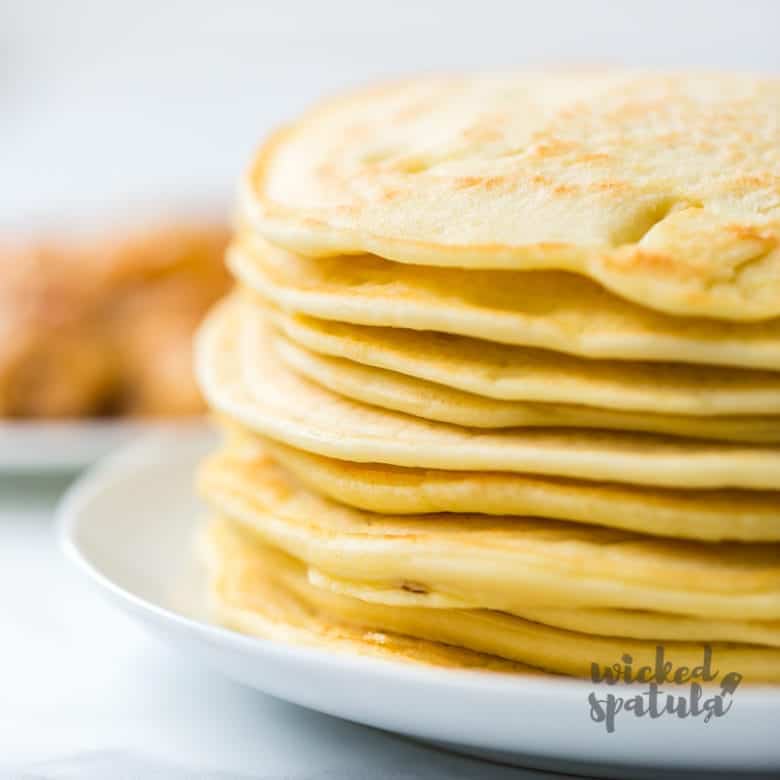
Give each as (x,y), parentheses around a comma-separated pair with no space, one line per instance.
(501,378)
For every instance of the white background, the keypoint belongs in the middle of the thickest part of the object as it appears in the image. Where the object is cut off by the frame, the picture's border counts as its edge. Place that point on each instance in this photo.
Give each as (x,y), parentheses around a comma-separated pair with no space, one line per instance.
(108,107)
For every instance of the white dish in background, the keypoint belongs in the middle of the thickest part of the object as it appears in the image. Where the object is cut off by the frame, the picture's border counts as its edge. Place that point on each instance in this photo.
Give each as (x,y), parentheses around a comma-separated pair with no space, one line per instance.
(128,525)
(70,445)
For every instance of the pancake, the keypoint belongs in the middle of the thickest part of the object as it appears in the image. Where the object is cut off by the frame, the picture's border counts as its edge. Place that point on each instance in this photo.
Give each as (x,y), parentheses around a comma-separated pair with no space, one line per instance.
(553,310)
(712,515)
(655,626)
(514,373)
(431,401)
(509,564)
(260,590)
(303,415)
(662,187)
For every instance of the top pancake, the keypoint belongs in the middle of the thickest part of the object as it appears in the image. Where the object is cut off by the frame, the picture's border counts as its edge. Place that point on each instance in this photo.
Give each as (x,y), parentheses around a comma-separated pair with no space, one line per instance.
(665,188)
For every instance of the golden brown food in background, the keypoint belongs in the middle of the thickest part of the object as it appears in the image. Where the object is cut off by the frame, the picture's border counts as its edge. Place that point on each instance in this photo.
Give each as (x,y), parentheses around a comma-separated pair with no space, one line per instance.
(89,328)
(54,361)
(166,280)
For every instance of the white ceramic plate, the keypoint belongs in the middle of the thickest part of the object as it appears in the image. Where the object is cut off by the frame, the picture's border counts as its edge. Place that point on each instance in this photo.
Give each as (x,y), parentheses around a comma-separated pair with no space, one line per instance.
(27,446)
(128,526)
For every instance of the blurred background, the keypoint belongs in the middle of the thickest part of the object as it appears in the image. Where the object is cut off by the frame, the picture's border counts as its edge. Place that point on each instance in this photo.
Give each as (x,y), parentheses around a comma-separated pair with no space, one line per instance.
(136,118)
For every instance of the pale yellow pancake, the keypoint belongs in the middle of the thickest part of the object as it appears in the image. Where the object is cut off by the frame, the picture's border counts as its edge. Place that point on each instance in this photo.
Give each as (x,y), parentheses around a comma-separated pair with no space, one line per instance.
(303,415)
(513,373)
(663,187)
(553,310)
(431,401)
(656,626)
(706,515)
(261,590)
(504,563)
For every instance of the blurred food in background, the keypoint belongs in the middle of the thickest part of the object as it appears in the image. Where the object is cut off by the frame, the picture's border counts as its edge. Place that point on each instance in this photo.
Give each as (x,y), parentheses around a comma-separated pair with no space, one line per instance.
(103,326)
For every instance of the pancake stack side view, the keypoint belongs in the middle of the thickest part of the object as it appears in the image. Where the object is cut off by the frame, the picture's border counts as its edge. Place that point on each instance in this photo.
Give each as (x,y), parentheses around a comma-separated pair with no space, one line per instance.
(500,378)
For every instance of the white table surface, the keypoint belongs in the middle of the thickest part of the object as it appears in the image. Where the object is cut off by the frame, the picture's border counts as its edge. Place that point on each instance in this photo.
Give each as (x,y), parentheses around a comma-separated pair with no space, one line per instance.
(85,693)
